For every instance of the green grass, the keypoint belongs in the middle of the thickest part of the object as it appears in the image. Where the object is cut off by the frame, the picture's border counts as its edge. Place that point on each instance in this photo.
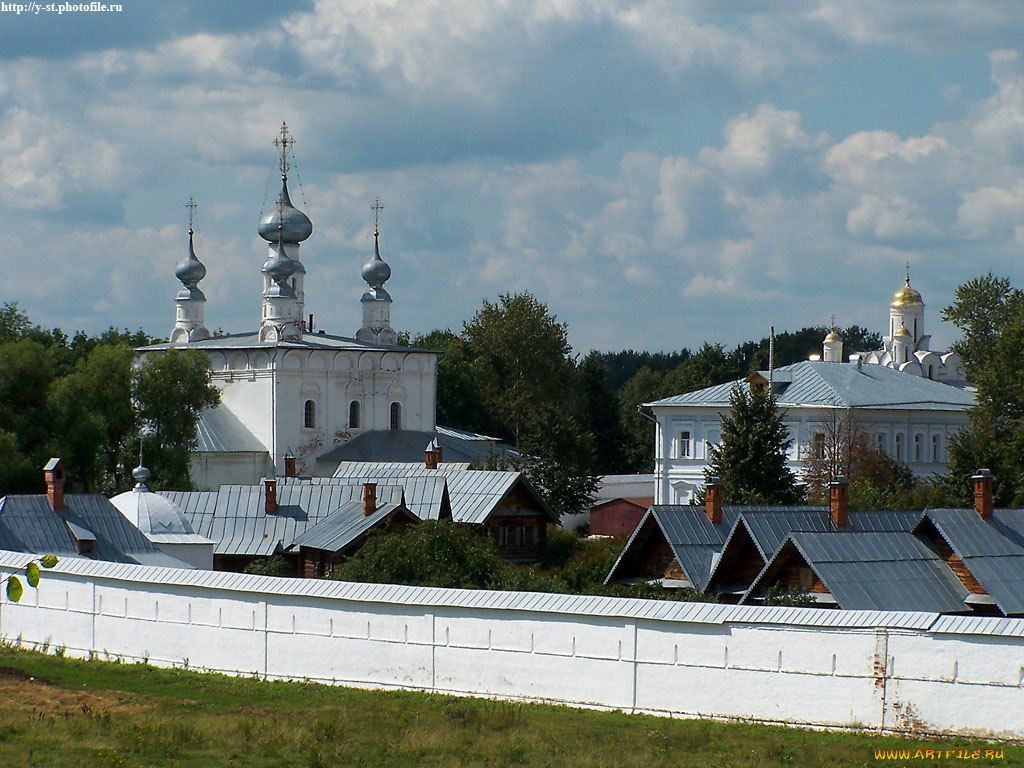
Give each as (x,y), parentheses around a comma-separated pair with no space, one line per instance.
(65,712)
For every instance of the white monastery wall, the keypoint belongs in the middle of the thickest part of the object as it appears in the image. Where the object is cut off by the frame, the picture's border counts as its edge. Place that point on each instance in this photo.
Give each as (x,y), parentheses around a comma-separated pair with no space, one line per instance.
(901,672)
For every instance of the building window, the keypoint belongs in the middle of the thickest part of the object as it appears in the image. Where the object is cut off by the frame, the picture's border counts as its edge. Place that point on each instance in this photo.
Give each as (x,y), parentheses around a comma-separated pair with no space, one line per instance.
(935,449)
(898,440)
(818,445)
(918,446)
(309,416)
(683,446)
(353,415)
(880,439)
(396,415)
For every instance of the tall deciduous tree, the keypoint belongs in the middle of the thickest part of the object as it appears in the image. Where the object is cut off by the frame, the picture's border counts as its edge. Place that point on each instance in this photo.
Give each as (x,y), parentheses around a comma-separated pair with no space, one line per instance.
(751,457)
(522,355)
(170,391)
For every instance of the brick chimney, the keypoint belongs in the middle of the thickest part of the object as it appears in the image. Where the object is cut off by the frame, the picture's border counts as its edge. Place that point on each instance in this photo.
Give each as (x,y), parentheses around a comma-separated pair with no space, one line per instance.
(289,463)
(270,487)
(839,501)
(713,492)
(369,499)
(440,452)
(53,473)
(983,493)
(432,455)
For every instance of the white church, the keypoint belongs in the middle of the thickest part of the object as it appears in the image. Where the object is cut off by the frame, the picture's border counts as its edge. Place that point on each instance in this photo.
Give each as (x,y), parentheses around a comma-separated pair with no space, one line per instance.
(288,393)
(907,400)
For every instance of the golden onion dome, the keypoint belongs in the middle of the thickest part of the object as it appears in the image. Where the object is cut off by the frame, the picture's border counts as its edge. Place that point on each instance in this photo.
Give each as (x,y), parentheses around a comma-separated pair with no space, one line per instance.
(907,297)
(902,331)
(833,337)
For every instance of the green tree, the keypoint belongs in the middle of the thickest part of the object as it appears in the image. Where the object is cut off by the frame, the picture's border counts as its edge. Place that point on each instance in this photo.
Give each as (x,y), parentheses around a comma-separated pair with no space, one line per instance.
(93,418)
(981,309)
(433,553)
(170,391)
(25,377)
(558,457)
(14,323)
(521,354)
(751,457)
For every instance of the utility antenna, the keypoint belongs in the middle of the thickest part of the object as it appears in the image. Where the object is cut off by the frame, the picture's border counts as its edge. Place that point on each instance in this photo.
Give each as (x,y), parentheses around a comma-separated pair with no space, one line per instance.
(376,208)
(191,205)
(284,142)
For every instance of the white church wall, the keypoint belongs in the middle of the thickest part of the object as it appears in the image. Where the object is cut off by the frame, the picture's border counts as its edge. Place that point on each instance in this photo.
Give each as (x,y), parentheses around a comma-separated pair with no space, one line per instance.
(920,673)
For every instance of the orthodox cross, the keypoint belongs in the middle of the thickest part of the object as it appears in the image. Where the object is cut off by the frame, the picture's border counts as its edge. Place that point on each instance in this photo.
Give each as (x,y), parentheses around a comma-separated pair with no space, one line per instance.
(191,205)
(284,142)
(376,208)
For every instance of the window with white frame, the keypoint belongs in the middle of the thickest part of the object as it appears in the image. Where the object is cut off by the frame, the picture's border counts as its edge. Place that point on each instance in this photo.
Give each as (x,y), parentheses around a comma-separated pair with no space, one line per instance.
(918,447)
(935,449)
(898,442)
(880,442)
(684,445)
(818,445)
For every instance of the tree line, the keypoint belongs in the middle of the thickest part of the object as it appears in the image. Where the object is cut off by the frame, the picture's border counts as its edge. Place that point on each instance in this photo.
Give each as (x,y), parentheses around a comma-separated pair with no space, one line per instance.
(81,398)
(510,372)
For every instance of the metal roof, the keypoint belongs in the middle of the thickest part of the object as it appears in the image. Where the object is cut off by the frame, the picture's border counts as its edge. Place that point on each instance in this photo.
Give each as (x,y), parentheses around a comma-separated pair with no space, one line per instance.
(993,558)
(474,494)
(235,517)
(345,526)
(404,445)
(29,524)
(425,496)
(219,430)
(586,605)
(307,341)
(883,571)
(845,385)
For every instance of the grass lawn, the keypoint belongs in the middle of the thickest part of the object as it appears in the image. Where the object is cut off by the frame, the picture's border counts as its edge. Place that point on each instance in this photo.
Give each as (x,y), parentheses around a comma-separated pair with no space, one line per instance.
(63,712)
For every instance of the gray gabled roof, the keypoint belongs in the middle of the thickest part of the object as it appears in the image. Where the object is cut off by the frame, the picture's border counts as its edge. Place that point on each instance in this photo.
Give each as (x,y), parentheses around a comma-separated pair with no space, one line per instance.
(474,494)
(994,558)
(29,524)
(873,571)
(347,525)
(219,430)
(425,496)
(691,535)
(844,385)
(768,528)
(236,519)
(406,445)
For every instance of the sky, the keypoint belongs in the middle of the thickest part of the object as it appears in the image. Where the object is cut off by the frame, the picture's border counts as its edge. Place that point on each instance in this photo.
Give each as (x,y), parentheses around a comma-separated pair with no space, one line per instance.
(660,173)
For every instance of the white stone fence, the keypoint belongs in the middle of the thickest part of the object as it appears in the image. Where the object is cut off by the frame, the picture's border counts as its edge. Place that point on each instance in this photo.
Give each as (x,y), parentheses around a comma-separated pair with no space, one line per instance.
(892,672)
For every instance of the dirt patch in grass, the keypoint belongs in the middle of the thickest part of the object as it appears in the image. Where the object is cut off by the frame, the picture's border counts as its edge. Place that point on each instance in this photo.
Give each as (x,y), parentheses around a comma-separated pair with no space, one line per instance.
(32,695)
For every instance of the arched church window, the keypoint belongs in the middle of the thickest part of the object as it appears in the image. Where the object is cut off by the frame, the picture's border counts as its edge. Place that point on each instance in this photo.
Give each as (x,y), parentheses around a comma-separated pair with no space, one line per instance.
(353,415)
(309,415)
(918,446)
(935,449)
(898,440)
(396,415)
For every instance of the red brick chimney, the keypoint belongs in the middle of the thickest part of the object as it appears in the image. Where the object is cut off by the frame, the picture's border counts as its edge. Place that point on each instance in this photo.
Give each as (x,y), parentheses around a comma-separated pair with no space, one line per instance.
(369,499)
(53,473)
(289,463)
(432,455)
(270,487)
(983,493)
(713,492)
(839,501)
(440,452)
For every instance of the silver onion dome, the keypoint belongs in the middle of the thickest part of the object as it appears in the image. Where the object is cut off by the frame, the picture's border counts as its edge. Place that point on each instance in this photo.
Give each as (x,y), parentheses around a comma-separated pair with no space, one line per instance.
(141,475)
(279,268)
(286,221)
(376,271)
(191,270)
